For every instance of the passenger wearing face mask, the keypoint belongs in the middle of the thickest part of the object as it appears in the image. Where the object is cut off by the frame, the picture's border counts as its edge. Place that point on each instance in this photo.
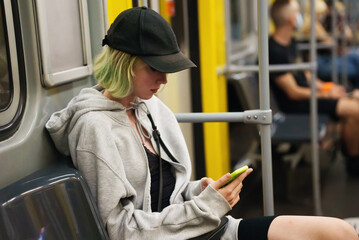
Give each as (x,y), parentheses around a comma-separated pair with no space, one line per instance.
(292,88)
(299,19)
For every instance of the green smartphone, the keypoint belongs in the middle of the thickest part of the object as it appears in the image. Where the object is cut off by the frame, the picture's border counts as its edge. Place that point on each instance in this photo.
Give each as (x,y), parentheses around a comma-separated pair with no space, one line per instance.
(236,173)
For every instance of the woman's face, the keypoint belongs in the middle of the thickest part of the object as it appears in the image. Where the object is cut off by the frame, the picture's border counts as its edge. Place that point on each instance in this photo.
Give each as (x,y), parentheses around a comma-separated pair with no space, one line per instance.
(147,81)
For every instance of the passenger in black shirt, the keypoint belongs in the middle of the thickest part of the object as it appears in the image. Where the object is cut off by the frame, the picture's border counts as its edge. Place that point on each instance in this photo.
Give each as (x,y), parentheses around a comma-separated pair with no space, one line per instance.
(292,91)
(279,54)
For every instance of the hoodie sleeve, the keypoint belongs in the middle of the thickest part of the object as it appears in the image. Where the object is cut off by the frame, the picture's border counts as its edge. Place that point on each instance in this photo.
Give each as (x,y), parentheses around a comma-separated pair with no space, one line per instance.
(177,221)
(58,127)
(193,188)
(115,198)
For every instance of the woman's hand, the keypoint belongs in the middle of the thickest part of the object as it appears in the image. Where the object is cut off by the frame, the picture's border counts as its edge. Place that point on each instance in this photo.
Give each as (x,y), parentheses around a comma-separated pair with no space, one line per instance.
(231,191)
(205,182)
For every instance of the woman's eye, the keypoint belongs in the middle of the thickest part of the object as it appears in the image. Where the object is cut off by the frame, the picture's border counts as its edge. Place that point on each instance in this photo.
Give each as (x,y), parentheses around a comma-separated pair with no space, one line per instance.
(154,70)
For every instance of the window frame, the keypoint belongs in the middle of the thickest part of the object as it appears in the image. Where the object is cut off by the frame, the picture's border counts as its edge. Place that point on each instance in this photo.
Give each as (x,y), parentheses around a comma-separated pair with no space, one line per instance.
(51,78)
(10,117)
(243,48)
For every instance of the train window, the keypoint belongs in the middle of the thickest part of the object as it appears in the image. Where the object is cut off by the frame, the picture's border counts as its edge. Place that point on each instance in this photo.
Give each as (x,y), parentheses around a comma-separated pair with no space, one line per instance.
(239,26)
(64,40)
(5,90)
(12,72)
(243,26)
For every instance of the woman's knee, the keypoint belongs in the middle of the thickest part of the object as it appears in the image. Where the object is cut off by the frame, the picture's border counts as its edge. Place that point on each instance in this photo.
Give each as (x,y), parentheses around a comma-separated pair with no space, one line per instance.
(348,108)
(303,227)
(342,230)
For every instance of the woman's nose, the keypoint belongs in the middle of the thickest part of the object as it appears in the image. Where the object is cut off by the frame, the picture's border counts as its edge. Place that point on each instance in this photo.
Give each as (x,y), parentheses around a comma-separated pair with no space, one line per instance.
(162,78)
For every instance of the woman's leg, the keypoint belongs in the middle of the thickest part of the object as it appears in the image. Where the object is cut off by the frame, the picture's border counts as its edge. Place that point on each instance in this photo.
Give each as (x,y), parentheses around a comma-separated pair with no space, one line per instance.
(313,228)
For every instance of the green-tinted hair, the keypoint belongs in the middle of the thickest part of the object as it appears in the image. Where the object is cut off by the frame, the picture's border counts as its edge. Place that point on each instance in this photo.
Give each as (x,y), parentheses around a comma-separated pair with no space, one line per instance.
(114,71)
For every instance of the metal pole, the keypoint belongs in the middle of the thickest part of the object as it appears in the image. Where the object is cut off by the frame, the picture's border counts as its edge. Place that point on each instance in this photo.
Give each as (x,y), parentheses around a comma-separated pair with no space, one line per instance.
(227,9)
(305,46)
(352,17)
(144,3)
(344,46)
(271,68)
(335,44)
(254,116)
(268,200)
(314,118)
(355,29)
(210,117)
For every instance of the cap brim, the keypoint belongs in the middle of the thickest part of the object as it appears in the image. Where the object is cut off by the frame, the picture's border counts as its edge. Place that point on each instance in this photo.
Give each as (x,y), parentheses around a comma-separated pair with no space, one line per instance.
(169,63)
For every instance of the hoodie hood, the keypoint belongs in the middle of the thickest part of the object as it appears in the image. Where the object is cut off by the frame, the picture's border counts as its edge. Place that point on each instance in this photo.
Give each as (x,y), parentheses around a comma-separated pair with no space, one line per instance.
(62,122)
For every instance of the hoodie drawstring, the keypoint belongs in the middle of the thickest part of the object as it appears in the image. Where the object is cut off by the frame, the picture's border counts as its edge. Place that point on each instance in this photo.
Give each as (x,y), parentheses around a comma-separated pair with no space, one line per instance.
(148,136)
(136,106)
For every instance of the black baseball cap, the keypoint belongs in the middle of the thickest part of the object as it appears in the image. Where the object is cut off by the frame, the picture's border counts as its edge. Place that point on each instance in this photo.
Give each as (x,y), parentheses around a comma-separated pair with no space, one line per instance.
(142,32)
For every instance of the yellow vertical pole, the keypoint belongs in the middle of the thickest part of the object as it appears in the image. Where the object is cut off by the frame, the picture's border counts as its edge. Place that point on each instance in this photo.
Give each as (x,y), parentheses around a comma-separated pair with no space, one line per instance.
(214,94)
(114,7)
(163,11)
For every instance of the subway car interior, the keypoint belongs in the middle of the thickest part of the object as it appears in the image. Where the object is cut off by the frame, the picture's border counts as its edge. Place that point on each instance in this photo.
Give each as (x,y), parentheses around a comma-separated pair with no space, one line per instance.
(47,54)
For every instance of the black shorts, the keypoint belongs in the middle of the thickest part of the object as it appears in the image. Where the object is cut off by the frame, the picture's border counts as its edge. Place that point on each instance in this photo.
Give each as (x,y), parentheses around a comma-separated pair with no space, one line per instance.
(254,228)
(325,106)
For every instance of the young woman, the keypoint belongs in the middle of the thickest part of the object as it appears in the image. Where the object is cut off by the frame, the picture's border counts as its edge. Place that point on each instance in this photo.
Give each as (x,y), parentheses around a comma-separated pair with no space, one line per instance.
(142,190)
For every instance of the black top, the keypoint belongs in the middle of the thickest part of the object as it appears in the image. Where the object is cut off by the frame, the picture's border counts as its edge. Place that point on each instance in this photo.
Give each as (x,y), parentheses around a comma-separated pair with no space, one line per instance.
(169,180)
(279,54)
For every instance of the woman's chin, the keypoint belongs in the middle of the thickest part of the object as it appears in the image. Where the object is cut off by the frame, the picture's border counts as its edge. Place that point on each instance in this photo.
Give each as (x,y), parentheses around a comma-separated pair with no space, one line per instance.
(147,97)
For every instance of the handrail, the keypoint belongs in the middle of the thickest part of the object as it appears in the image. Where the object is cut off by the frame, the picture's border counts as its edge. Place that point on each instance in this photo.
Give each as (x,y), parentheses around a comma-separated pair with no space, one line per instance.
(264,104)
(344,46)
(314,116)
(312,66)
(354,19)
(227,16)
(262,5)
(263,69)
(306,46)
(256,116)
(231,69)
(335,44)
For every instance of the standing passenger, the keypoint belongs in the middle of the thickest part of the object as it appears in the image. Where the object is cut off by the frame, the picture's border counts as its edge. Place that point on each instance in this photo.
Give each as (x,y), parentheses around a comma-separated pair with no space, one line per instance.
(107,130)
(292,90)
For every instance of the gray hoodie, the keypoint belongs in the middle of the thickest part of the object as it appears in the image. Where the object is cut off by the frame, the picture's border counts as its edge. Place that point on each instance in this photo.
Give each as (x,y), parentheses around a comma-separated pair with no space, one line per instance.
(96,132)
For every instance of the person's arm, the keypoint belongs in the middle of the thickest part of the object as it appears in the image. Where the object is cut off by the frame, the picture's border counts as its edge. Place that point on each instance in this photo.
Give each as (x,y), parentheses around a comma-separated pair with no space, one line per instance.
(118,202)
(308,76)
(123,221)
(336,91)
(193,188)
(322,34)
(348,33)
(295,92)
(115,199)
(288,84)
